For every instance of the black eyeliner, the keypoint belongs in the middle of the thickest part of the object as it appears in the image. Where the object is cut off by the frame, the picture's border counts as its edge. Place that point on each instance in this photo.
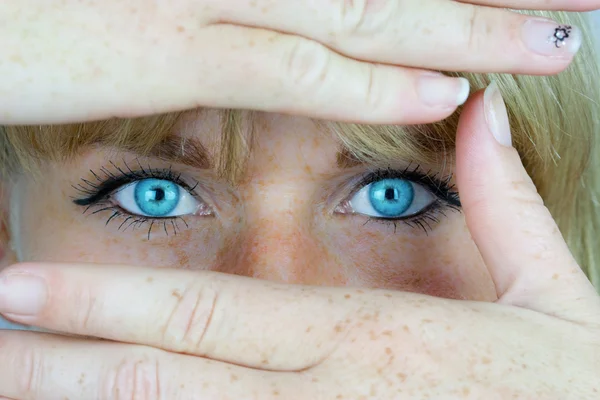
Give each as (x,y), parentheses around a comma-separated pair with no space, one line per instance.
(96,192)
(441,188)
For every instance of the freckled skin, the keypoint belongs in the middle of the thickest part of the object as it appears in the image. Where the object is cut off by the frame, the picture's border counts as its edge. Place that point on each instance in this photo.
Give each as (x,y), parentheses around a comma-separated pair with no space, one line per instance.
(277,224)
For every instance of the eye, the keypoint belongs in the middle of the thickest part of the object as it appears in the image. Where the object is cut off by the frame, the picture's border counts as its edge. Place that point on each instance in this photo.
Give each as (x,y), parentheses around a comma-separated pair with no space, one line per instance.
(156,198)
(392,199)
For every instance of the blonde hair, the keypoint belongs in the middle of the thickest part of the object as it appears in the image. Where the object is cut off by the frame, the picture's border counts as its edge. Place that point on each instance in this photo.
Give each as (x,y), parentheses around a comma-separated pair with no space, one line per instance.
(554,119)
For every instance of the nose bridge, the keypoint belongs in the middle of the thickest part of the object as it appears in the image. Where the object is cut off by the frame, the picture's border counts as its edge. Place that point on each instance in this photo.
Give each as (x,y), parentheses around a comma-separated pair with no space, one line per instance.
(276,247)
(277,241)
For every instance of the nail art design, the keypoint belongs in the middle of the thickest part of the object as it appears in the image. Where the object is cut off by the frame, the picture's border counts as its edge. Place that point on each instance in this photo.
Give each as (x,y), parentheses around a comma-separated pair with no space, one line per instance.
(561,34)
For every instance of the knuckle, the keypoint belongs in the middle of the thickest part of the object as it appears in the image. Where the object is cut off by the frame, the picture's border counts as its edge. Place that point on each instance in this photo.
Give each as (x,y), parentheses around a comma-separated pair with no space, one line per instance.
(31,379)
(374,92)
(190,318)
(363,17)
(307,64)
(476,29)
(86,309)
(134,378)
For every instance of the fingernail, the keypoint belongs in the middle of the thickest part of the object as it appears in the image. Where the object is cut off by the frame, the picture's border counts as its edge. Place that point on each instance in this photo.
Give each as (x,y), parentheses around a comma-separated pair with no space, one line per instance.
(441,91)
(22,294)
(548,38)
(496,115)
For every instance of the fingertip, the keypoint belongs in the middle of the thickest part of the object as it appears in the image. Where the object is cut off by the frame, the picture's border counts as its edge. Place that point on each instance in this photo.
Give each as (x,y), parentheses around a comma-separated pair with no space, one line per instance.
(438,90)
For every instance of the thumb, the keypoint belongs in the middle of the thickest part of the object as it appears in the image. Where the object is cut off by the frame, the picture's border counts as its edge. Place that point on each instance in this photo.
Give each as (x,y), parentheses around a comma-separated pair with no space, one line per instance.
(515,233)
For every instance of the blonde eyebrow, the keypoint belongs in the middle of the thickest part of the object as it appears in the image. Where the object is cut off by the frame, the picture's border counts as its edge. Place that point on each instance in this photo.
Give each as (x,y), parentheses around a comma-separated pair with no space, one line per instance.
(186,151)
(345,159)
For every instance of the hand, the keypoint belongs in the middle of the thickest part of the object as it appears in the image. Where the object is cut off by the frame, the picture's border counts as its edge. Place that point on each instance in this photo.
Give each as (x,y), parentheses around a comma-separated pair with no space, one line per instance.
(185,335)
(68,61)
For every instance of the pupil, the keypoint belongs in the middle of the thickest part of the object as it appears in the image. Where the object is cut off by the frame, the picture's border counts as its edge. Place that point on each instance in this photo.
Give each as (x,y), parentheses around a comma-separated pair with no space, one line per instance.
(390,194)
(159,194)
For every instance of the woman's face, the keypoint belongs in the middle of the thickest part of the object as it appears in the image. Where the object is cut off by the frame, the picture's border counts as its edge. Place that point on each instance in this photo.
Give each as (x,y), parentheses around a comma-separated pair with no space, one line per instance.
(301,213)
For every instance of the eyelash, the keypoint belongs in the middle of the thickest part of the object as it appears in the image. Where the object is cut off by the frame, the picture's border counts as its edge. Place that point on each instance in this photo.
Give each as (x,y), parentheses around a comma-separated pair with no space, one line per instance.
(97,195)
(442,189)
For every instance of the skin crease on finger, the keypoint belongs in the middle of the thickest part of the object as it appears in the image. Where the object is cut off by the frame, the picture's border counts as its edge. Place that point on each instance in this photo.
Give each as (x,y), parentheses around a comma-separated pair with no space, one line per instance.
(276,224)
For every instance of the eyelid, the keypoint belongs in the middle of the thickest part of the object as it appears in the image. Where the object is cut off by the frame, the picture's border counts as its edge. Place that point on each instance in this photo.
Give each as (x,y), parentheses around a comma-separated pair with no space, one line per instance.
(97,189)
(440,186)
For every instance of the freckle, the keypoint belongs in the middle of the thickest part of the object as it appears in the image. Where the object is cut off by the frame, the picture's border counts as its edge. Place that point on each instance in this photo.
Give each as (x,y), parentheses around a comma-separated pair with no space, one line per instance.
(555,276)
(309,329)
(524,366)
(389,296)
(315,380)
(372,335)
(149,279)
(486,360)
(182,386)
(406,328)
(388,351)
(180,29)
(387,333)
(275,393)
(175,293)
(466,391)
(338,328)
(339,396)
(401,376)
(347,296)
(264,361)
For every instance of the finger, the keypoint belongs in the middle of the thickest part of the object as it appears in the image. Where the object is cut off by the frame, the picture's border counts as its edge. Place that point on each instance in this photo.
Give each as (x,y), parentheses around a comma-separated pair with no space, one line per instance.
(437,34)
(162,70)
(48,367)
(564,5)
(234,319)
(521,244)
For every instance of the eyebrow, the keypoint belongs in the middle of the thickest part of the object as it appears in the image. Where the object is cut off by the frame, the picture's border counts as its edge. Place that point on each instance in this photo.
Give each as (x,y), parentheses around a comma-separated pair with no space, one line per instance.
(181,150)
(345,159)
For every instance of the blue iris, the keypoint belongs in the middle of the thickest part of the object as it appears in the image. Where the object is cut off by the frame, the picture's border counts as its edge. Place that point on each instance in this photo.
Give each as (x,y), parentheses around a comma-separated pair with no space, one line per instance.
(156,197)
(391,197)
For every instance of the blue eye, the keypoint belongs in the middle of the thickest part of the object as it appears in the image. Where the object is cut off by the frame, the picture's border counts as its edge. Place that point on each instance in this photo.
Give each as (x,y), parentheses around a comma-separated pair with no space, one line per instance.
(392,199)
(157,198)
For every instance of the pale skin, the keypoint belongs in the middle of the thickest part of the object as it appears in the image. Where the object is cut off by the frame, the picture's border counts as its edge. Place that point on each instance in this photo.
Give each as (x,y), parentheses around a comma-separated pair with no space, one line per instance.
(253,339)
(526,325)
(367,61)
(279,222)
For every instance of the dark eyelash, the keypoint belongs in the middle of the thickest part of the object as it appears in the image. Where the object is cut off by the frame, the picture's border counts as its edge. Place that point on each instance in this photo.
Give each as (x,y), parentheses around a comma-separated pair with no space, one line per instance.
(447,196)
(97,194)
(96,191)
